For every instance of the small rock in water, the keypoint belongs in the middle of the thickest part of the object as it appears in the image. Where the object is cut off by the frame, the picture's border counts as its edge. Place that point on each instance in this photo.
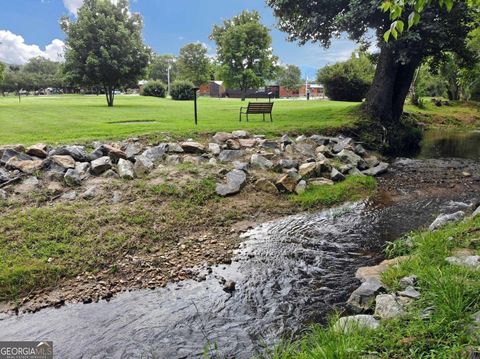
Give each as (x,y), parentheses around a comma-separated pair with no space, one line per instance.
(363,297)
(229,286)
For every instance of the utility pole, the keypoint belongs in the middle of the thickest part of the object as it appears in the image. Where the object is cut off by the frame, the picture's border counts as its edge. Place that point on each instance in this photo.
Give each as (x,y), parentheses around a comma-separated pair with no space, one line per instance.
(168,76)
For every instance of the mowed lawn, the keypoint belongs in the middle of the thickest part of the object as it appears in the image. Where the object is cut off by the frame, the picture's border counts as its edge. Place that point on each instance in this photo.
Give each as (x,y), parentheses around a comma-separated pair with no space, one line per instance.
(78,118)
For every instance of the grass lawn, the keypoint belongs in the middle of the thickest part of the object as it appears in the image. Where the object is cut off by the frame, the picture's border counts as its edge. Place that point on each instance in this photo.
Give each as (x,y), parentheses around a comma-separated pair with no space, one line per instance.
(76,118)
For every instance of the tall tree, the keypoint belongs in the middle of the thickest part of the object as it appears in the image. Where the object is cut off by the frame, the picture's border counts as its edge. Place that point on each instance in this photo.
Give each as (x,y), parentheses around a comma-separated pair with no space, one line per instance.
(158,68)
(244,50)
(104,46)
(440,30)
(290,77)
(194,64)
(2,70)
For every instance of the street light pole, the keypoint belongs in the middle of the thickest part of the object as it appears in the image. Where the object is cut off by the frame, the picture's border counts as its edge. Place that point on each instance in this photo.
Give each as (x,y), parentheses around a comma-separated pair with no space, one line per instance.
(195,89)
(168,76)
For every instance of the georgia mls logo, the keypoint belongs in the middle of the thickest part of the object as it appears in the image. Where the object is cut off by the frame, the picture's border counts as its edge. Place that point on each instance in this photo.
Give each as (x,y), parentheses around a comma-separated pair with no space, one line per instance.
(26,350)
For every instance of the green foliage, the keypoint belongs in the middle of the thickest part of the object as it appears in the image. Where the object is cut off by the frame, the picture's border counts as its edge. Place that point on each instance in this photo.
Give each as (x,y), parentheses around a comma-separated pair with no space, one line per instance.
(353,188)
(104,46)
(2,70)
(349,80)
(244,50)
(182,90)
(290,77)
(158,68)
(154,88)
(194,64)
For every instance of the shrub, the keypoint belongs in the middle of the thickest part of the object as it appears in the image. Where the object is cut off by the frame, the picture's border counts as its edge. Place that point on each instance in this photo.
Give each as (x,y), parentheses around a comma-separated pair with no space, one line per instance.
(154,88)
(182,90)
(349,80)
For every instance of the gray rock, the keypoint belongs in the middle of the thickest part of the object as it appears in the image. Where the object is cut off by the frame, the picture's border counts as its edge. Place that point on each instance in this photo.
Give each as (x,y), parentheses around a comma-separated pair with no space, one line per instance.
(355,322)
(173,159)
(192,147)
(363,297)
(240,134)
(117,197)
(28,185)
(39,150)
(288,183)
(196,160)
(110,174)
(101,165)
(372,161)
(242,166)
(353,159)
(321,182)
(342,143)
(474,327)
(214,148)
(410,281)
(4,176)
(29,166)
(476,213)
(288,163)
(259,161)
(359,150)
(143,165)
(62,162)
(230,155)
(175,148)
(301,187)
(72,178)
(301,138)
(336,175)
(388,307)
(3,195)
(90,193)
(309,170)
(410,292)
(444,219)
(269,144)
(69,196)
(236,180)
(306,149)
(10,153)
(285,140)
(377,170)
(157,153)
(467,261)
(83,169)
(265,185)
(132,149)
(320,140)
(99,152)
(78,153)
(125,169)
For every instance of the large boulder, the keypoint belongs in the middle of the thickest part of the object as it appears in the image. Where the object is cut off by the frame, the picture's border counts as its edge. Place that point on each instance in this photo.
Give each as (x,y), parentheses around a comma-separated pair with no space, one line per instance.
(192,147)
(288,182)
(125,169)
(352,158)
(78,153)
(230,155)
(39,150)
(101,165)
(444,219)
(362,299)
(132,149)
(355,322)
(236,180)
(387,306)
(143,165)
(259,161)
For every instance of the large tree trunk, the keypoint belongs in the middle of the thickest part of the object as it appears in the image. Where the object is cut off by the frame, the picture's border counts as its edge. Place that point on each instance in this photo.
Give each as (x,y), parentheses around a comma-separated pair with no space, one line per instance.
(386,97)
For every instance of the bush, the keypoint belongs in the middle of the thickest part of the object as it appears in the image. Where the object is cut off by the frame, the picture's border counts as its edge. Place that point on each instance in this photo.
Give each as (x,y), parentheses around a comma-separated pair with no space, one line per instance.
(182,90)
(349,80)
(154,88)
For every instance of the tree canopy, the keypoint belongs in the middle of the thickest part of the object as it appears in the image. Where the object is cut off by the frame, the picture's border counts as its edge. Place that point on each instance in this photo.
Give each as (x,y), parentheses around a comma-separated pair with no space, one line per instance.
(290,77)
(104,46)
(2,69)
(244,51)
(194,64)
(158,68)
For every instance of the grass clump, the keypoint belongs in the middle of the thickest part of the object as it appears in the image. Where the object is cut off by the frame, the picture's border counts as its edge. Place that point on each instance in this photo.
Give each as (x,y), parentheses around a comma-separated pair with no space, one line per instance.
(450,293)
(352,189)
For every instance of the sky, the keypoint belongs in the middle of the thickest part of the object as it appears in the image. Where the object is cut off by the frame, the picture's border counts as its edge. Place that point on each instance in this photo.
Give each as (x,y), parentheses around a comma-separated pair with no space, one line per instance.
(30,28)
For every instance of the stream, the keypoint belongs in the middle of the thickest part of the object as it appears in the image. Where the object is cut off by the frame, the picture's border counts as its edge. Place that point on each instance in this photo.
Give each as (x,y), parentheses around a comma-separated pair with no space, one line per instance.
(289,273)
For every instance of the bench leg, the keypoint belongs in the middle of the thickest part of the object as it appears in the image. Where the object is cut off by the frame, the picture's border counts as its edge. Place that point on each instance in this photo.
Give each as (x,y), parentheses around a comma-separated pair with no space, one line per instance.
(240,117)
(263,117)
(247,117)
(271,118)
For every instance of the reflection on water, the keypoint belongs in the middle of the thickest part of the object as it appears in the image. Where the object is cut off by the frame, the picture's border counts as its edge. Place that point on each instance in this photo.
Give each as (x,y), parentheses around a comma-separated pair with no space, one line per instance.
(451,144)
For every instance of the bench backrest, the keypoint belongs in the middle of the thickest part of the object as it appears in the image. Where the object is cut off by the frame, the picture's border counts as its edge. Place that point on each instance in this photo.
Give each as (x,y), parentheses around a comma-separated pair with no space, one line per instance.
(260,107)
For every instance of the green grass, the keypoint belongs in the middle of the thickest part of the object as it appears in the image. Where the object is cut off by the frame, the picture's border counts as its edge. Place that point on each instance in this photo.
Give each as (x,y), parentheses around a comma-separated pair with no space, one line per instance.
(453,292)
(76,118)
(458,114)
(352,189)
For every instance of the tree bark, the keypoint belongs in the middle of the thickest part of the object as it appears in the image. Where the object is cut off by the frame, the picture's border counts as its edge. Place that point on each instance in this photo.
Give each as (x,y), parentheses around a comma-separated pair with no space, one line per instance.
(109,95)
(391,84)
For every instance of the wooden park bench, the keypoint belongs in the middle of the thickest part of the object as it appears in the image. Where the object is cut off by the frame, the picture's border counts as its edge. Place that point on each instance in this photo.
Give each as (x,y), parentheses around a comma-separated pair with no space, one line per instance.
(257,108)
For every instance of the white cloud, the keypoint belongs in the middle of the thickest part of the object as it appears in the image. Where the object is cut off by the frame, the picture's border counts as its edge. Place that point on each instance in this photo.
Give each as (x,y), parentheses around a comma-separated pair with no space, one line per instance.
(14,50)
(73,5)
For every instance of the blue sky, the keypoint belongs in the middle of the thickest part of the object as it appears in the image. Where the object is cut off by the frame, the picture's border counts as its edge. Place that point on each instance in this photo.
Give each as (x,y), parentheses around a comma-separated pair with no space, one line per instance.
(30,28)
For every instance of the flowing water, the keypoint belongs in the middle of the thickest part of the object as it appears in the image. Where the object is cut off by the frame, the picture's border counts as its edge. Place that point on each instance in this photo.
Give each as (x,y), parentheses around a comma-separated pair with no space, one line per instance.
(288,273)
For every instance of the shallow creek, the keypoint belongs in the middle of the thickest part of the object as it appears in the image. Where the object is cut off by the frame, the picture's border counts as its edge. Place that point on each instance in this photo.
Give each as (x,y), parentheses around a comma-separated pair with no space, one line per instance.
(289,273)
